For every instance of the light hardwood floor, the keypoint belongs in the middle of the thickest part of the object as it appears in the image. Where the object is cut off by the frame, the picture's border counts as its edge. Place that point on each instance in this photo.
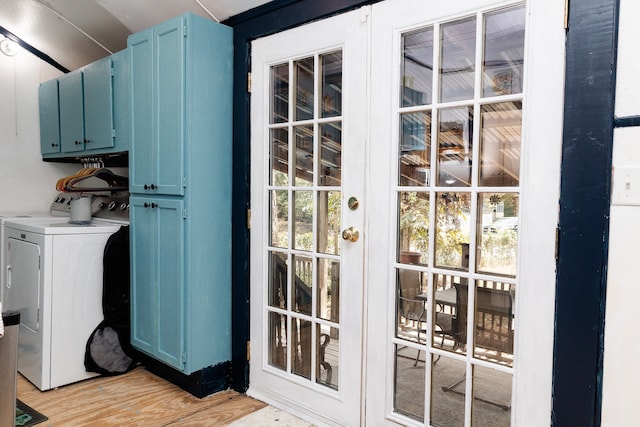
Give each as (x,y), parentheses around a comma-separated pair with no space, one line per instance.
(138,398)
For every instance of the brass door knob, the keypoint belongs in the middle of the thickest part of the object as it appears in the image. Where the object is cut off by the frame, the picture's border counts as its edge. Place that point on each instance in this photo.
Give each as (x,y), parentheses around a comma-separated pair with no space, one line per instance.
(351,234)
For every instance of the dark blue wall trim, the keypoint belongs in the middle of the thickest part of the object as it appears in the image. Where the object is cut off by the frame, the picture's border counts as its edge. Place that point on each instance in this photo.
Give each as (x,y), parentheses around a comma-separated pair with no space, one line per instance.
(623,122)
(268,19)
(584,212)
(46,58)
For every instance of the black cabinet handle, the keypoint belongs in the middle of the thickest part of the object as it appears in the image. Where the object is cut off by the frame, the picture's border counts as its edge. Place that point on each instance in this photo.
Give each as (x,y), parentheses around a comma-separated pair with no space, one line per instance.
(152,205)
(77,142)
(147,187)
(86,141)
(146,205)
(53,144)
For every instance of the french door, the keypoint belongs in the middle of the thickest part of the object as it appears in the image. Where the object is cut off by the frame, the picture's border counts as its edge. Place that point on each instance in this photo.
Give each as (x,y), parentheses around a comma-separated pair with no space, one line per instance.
(405,167)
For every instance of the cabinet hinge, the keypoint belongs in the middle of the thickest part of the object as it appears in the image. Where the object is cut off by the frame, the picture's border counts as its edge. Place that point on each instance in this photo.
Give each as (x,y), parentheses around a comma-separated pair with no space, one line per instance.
(184,214)
(184,182)
(248,219)
(184,358)
(113,133)
(249,82)
(248,351)
(184,31)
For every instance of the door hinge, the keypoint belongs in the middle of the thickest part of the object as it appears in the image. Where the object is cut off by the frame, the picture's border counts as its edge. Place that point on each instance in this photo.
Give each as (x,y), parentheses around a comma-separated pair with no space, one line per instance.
(557,249)
(248,351)
(248,219)
(249,82)
(184,214)
(566,14)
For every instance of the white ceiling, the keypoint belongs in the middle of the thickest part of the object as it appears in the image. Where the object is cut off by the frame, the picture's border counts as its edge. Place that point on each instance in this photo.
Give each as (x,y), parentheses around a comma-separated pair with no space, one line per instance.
(77,32)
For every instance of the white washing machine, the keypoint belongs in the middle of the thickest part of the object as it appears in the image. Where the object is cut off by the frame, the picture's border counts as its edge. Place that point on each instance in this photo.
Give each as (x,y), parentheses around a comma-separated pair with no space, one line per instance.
(53,276)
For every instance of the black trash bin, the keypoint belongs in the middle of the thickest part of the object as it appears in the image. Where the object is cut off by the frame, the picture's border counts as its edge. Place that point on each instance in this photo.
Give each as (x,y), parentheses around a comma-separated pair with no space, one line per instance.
(9,367)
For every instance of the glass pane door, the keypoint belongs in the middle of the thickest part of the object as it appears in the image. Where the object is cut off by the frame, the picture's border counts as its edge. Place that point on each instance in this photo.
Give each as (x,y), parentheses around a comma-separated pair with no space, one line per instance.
(307,278)
(449,112)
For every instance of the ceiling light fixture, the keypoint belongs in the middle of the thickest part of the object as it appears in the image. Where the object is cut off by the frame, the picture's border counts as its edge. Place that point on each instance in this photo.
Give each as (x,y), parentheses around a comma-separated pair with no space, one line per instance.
(9,47)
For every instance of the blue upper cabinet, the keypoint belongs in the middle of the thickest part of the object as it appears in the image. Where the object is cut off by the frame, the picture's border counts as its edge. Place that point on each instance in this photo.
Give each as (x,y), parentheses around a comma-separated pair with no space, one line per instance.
(91,107)
(49,117)
(98,105)
(71,112)
(158,93)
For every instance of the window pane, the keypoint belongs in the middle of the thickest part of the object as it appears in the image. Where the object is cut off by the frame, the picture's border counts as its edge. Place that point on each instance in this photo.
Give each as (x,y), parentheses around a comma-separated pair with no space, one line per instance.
(450,326)
(331,64)
(279,203)
(452,230)
(328,297)
(503,52)
(329,211)
(303,70)
(455,146)
(279,93)
(327,356)
(411,305)
(417,67)
(447,392)
(500,139)
(278,340)
(457,67)
(279,157)
(278,273)
(494,322)
(304,155)
(331,154)
(302,284)
(413,227)
(301,347)
(497,236)
(492,398)
(408,393)
(303,226)
(415,149)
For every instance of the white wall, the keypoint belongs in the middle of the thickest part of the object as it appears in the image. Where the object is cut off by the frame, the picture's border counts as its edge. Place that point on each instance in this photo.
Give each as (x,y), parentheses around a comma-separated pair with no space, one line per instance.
(621,371)
(27,184)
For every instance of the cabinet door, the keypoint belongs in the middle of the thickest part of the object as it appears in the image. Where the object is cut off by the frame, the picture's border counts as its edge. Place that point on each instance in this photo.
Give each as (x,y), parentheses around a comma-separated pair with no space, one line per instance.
(71,112)
(157,297)
(49,118)
(169,66)
(98,104)
(142,156)
(122,100)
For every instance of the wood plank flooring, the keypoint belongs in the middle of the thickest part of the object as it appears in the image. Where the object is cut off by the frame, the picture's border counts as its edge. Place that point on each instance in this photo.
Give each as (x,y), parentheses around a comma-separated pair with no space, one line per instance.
(138,398)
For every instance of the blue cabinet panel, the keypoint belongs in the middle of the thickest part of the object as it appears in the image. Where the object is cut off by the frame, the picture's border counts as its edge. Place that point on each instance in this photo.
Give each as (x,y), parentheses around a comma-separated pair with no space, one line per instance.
(157,299)
(71,112)
(143,164)
(98,105)
(169,57)
(144,294)
(49,117)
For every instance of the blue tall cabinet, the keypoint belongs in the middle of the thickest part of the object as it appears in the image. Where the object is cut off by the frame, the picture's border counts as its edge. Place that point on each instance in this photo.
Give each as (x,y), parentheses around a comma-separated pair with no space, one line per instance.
(180,204)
